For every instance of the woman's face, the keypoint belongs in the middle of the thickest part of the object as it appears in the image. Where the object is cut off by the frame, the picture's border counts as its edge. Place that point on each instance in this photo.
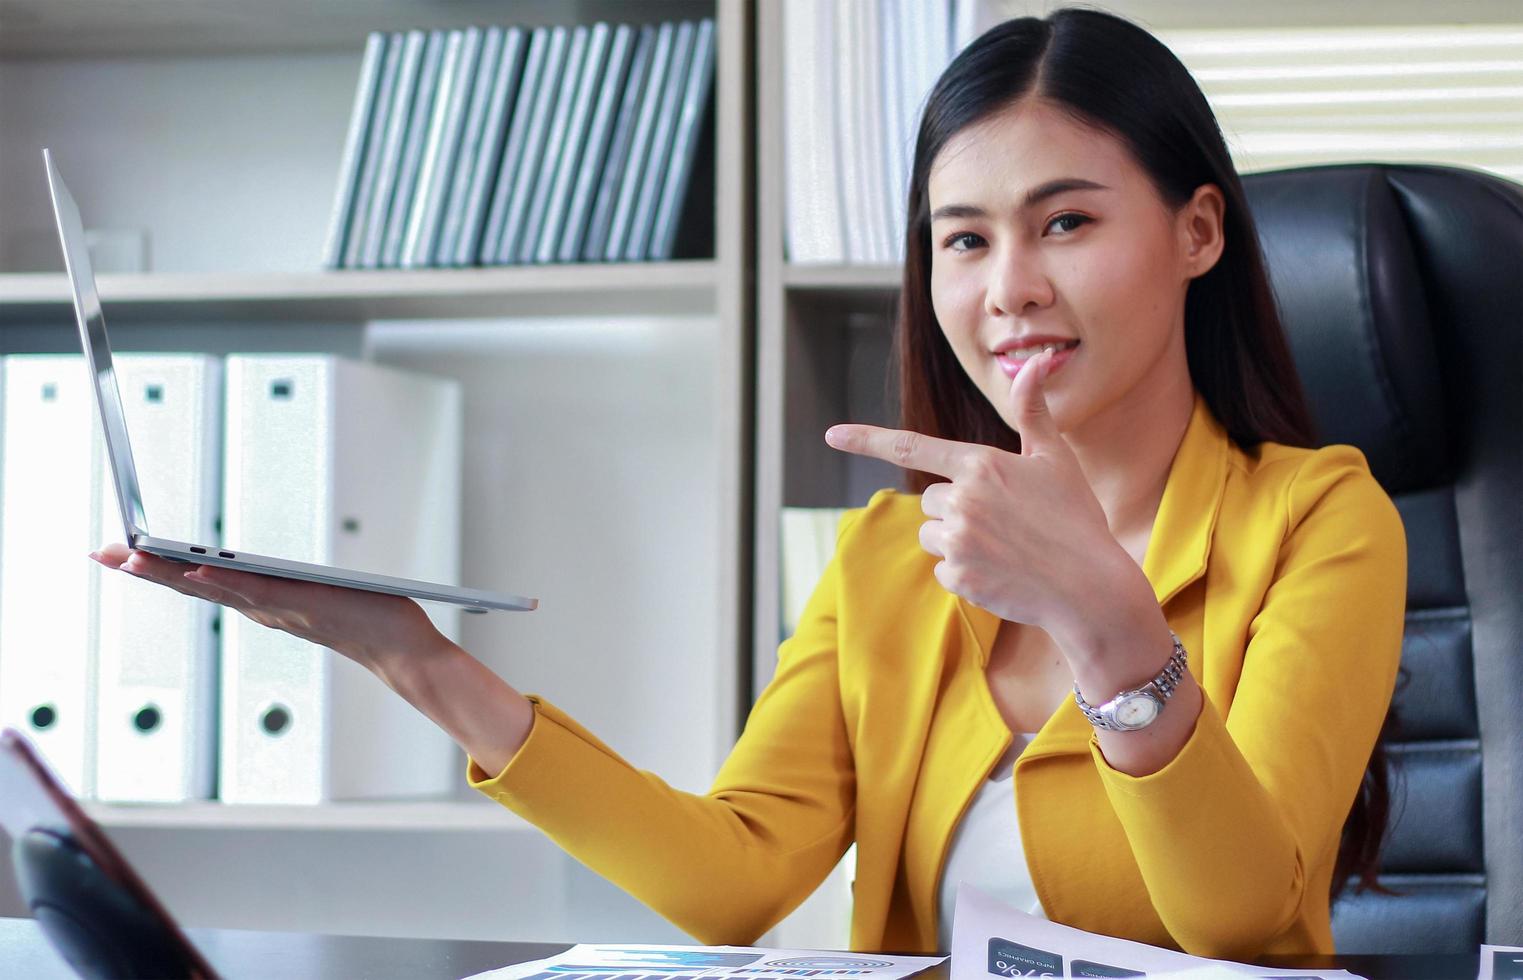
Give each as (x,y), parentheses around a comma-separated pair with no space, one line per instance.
(1104,265)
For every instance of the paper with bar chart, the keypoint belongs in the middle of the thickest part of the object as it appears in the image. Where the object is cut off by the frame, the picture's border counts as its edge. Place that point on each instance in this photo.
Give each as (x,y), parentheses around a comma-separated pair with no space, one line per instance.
(644,962)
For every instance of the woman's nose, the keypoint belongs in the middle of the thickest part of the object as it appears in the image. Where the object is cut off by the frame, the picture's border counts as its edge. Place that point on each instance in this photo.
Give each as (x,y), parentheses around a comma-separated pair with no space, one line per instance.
(1016,280)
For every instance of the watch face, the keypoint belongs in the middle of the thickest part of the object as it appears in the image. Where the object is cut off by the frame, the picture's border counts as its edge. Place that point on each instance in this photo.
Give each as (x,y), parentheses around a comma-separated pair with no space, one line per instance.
(1136,711)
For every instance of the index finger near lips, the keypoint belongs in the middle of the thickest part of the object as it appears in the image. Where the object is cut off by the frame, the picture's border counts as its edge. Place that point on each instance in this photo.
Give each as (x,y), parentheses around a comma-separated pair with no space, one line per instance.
(911,450)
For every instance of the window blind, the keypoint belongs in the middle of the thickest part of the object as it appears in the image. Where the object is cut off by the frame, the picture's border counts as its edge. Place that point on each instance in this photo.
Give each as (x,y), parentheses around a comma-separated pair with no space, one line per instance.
(1445,94)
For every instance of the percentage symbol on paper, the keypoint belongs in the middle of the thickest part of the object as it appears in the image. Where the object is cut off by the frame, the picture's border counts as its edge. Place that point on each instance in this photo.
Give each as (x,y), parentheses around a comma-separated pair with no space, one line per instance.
(1012,959)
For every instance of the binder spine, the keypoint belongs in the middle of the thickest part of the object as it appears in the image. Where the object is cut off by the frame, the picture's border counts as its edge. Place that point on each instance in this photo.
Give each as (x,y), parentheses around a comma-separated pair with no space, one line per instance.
(50,501)
(375,138)
(850,176)
(412,151)
(635,166)
(555,146)
(274,685)
(539,125)
(504,93)
(449,153)
(438,155)
(303,724)
(661,145)
(470,143)
(155,725)
(695,98)
(620,146)
(391,151)
(513,152)
(570,156)
(354,144)
(594,157)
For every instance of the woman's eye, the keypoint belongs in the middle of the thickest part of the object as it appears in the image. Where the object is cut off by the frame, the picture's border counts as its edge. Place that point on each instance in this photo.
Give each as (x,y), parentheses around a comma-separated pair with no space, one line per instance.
(965,241)
(952,240)
(1075,219)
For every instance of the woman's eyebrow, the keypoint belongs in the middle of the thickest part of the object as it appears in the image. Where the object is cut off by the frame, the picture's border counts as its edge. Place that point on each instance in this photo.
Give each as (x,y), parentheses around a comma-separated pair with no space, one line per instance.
(1035,196)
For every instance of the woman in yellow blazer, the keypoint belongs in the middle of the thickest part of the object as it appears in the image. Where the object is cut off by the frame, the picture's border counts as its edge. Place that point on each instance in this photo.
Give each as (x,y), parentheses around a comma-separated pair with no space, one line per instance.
(1125,507)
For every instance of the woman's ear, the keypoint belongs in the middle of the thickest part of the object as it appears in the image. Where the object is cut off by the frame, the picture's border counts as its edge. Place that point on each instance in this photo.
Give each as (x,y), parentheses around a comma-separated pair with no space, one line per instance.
(1200,228)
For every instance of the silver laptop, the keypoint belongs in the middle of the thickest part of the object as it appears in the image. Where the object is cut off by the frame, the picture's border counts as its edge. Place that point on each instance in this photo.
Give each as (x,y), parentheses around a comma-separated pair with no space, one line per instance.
(92,335)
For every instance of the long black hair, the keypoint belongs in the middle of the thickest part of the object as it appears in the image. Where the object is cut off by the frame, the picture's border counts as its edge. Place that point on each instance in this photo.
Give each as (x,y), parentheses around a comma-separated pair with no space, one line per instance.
(1108,73)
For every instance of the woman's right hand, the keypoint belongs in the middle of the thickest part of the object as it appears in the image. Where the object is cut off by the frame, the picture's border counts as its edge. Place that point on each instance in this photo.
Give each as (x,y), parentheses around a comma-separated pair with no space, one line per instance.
(369,628)
(389,635)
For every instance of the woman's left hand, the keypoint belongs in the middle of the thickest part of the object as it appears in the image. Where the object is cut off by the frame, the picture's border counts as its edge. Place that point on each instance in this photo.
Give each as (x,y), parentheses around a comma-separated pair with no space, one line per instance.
(1021,535)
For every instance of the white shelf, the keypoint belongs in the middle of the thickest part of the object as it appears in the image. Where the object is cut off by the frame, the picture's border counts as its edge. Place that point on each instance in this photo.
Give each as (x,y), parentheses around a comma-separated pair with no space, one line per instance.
(883,278)
(832,293)
(421,815)
(48,28)
(362,294)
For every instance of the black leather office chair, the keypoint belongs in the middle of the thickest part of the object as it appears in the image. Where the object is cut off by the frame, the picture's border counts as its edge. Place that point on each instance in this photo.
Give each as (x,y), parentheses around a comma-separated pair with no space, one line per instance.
(1401,288)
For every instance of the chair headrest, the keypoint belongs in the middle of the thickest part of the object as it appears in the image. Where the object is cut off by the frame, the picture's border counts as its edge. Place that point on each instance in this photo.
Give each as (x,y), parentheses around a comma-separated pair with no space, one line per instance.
(1347,263)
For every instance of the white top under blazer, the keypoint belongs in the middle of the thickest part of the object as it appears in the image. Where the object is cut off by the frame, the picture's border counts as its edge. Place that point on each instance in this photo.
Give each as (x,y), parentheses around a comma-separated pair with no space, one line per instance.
(986,850)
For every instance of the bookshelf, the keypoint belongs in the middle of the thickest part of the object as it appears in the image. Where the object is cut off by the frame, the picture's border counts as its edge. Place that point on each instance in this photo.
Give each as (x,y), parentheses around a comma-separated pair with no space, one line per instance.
(607,415)
(822,353)
(379,294)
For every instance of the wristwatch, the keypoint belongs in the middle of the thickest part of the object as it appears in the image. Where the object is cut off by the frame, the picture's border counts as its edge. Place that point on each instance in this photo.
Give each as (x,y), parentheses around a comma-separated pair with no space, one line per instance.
(1133,710)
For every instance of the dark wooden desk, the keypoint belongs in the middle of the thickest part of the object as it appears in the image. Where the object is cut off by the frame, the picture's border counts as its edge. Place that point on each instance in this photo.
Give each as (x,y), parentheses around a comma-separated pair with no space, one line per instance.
(242,954)
(245,954)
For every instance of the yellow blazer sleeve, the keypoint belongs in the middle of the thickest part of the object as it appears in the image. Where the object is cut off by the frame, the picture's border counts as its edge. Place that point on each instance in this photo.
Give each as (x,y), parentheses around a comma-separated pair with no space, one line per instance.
(725,866)
(1229,833)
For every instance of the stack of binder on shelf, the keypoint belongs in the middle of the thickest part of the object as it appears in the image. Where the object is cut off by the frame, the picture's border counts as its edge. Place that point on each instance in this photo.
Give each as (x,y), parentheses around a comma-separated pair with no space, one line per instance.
(855,78)
(156,668)
(366,474)
(113,678)
(48,588)
(808,542)
(136,693)
(509,145)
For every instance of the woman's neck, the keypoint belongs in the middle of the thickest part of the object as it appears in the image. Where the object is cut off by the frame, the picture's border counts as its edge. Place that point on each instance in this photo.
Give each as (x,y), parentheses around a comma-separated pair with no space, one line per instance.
(1127,450)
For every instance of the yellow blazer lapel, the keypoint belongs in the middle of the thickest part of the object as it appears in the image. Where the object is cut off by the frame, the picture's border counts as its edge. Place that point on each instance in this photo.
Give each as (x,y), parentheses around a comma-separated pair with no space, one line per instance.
(1177,551)
(1192,498)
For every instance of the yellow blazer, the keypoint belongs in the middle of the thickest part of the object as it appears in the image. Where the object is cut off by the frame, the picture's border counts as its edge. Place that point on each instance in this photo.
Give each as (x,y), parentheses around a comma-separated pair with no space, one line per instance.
(1282,570)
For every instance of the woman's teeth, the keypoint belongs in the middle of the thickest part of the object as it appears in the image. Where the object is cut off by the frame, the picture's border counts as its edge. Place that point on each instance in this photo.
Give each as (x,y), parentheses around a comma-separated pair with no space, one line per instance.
(1020,353)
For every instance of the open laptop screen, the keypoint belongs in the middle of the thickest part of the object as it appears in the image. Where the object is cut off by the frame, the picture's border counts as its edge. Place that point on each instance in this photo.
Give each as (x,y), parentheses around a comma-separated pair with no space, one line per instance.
(92,336)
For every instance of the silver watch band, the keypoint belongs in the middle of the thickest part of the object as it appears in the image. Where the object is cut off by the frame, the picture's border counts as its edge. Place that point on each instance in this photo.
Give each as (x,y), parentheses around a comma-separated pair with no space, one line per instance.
(1160,689)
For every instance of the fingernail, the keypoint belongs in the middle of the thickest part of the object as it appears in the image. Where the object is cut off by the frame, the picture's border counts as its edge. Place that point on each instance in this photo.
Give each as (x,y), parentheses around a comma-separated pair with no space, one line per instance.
(95,555)
(833,435)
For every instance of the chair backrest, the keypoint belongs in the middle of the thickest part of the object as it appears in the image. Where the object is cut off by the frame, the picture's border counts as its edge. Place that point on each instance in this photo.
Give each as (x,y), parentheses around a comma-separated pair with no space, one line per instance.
(1401,288)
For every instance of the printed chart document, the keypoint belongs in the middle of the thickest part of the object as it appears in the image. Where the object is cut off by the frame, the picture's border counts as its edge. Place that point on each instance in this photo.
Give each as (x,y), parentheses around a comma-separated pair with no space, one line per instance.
(1501,963)
(642,962)
(991,939)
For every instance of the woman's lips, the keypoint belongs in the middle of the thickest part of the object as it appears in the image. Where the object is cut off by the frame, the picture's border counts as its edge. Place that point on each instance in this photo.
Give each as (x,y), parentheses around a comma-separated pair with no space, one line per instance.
(1012,366)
